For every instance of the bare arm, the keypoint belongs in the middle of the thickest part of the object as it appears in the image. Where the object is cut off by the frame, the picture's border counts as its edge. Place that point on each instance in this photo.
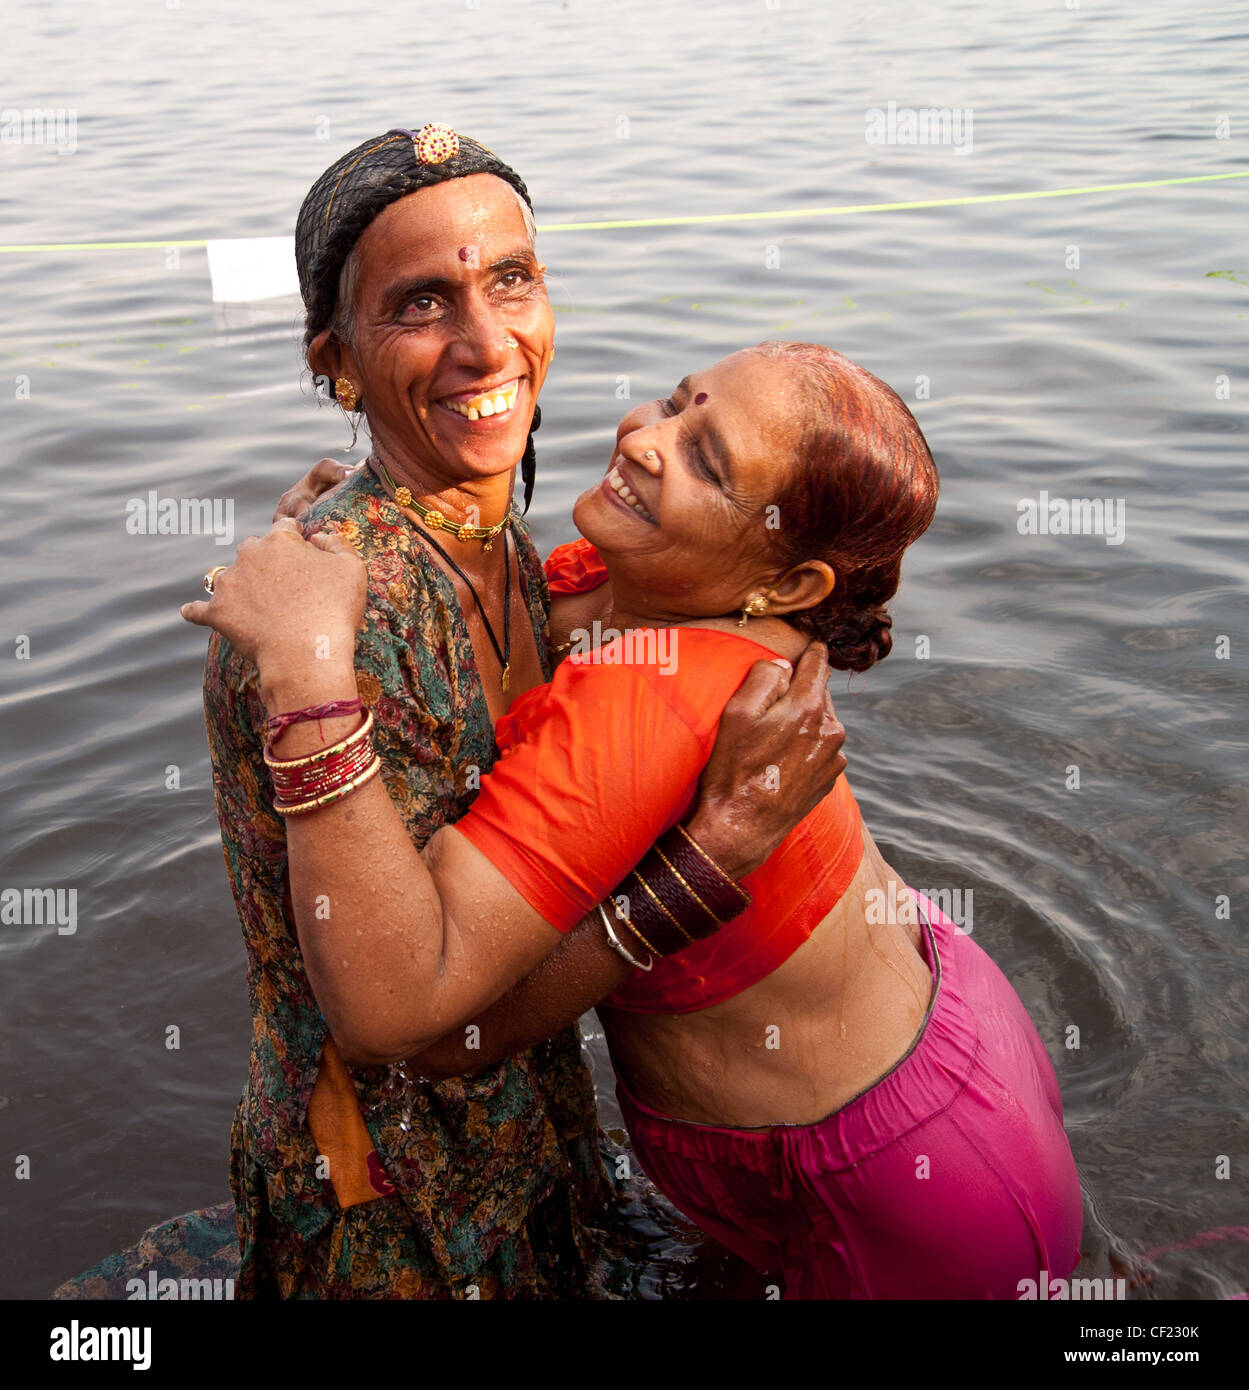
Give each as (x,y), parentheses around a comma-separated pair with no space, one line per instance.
(578,974)
(401,946)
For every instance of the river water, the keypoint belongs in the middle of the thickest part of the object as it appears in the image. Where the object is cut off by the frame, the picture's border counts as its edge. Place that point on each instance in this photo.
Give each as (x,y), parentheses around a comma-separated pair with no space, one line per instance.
(1059,735)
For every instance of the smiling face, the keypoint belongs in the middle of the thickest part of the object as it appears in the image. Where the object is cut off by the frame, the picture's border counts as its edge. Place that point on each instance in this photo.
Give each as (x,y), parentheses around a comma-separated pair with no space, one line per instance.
(451,330)
(681,517)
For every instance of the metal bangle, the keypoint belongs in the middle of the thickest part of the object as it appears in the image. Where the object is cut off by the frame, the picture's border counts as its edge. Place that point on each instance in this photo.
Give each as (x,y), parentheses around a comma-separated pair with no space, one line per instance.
(615,943)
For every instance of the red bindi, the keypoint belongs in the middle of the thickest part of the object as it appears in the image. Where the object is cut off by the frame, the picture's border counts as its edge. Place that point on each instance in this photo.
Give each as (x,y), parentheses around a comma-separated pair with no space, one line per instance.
(465,252)
(700,398)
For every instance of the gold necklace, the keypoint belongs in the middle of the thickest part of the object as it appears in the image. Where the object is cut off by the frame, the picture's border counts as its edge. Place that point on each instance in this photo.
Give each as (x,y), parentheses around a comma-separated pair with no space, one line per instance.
(438,521)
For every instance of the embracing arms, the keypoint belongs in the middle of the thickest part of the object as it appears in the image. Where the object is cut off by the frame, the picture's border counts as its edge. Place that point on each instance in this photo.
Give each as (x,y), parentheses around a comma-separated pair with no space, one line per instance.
(580,973)
(401,948)
(738,813)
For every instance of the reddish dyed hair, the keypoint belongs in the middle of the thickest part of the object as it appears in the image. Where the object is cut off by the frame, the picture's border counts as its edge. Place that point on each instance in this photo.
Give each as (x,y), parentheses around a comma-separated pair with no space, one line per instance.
(862,489)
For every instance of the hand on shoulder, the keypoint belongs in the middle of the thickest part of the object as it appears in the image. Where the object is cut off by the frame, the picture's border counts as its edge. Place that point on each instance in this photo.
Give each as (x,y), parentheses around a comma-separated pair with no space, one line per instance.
(288,604)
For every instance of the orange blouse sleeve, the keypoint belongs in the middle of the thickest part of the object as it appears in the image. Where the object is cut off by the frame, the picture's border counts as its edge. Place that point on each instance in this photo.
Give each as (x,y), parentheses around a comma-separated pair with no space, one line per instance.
(593,769)
(575,568)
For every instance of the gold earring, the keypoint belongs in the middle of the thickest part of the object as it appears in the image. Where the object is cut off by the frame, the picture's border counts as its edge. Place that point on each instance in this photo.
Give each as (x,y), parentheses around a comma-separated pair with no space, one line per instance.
(754,607)
(345,393)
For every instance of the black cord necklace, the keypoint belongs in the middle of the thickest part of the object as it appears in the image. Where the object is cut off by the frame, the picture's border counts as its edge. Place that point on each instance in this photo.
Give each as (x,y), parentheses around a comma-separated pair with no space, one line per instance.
(402,497)
(505,656)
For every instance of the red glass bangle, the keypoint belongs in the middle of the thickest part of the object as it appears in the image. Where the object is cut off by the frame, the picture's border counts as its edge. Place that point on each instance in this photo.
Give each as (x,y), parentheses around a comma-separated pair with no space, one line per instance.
(323,777)
(334,794)
(300,783)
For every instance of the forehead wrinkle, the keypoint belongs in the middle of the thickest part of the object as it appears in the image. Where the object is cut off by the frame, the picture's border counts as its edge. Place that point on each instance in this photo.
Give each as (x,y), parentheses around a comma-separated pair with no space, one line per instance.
(412,216)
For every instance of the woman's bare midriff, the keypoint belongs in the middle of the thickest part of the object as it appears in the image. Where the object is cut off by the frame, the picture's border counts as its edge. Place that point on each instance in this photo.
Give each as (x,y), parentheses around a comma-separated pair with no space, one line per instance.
(838,1015)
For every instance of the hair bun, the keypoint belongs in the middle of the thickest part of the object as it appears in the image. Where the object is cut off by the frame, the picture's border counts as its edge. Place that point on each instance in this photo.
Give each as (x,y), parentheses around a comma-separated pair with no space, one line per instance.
(859,638)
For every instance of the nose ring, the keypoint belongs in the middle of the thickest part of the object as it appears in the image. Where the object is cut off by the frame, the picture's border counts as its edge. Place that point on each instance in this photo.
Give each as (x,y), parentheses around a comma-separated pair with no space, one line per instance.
(650,454)
(509,341)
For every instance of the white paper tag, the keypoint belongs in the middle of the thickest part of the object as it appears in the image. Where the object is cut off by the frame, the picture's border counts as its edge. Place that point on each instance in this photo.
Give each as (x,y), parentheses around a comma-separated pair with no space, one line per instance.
(251,268)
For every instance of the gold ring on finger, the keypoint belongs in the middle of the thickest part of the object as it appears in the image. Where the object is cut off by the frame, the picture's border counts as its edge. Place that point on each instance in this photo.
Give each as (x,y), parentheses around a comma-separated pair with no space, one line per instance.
(211,577)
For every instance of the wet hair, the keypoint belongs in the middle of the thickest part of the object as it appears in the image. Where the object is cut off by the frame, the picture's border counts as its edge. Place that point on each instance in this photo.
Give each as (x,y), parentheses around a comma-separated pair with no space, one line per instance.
(342,203)
(863,488)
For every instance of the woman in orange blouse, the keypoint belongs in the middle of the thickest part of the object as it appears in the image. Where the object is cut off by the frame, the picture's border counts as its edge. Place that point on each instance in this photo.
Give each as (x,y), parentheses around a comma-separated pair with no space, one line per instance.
(851,1098)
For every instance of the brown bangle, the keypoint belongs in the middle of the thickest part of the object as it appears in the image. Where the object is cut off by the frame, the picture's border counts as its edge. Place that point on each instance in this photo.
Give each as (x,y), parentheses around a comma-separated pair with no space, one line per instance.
(654,897)
(702,869)
(676,873)
(645,913)
(685,895)
(698,917)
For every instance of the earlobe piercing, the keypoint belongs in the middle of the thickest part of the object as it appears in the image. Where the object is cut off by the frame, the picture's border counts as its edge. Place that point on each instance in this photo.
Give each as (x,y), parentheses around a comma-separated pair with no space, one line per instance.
(345,393)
